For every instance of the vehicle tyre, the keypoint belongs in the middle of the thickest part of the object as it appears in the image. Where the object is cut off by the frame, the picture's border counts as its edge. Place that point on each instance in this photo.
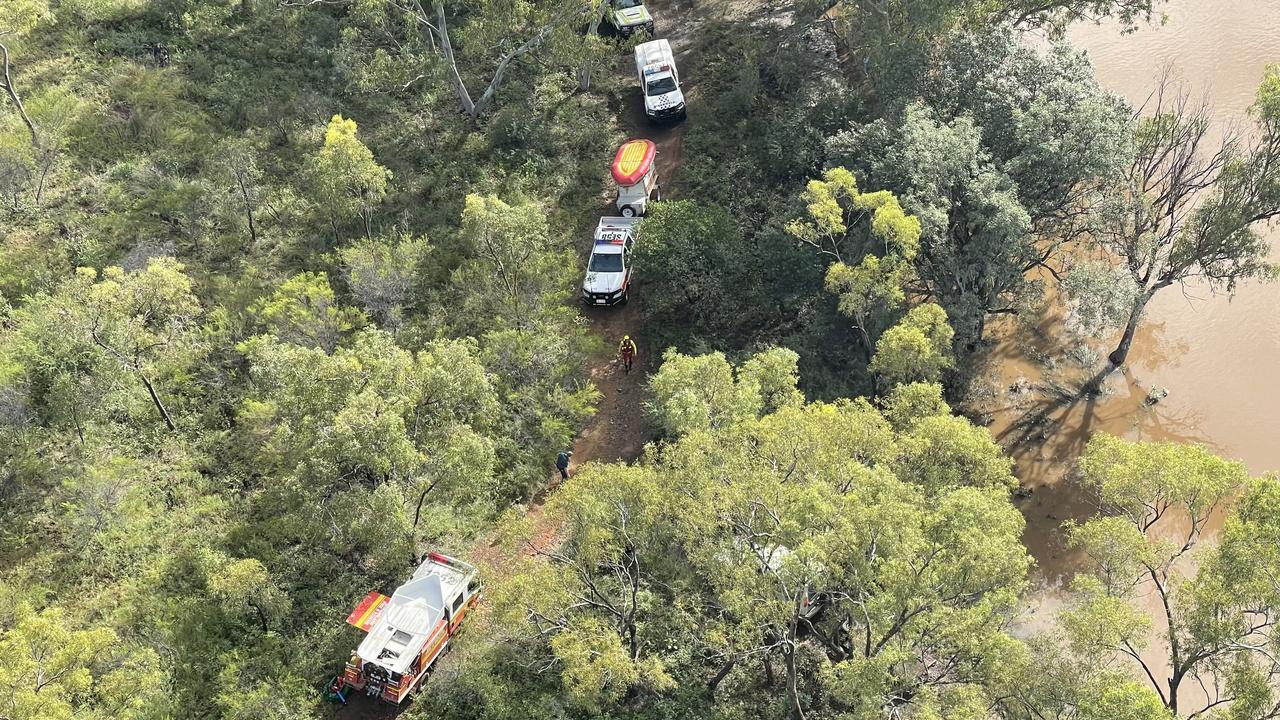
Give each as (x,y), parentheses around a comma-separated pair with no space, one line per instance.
(628,211)
(623,301)
(656,195)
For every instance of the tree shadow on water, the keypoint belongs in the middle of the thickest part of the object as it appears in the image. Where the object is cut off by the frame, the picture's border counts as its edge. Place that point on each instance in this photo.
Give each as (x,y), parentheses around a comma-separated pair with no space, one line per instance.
(1060,422)
(1050,434)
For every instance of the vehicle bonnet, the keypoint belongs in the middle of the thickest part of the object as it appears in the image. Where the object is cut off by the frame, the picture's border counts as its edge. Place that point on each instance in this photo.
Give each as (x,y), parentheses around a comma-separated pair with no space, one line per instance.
(610,277)
(631,16)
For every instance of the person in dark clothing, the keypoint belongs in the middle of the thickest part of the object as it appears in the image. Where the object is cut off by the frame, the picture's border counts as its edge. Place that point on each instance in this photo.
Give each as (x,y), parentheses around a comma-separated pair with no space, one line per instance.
(562,463)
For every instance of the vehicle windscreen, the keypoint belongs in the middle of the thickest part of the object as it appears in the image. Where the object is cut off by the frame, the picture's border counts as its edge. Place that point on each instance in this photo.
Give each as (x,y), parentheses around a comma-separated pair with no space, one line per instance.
(605,263)
(662,86)
(624,4)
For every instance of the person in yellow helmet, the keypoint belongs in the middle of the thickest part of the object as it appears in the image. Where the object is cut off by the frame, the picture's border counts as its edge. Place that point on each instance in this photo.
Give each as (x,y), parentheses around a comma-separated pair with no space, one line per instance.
(627,349)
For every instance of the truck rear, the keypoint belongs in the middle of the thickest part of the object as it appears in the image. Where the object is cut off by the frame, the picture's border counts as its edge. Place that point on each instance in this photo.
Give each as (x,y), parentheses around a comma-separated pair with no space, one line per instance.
(409,631)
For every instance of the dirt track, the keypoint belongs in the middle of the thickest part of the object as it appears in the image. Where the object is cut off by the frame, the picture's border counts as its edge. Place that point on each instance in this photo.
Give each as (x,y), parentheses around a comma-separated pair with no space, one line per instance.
(620,428)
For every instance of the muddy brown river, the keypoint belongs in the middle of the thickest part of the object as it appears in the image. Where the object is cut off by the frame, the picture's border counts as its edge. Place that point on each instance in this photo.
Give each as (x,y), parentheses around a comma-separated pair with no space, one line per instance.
(1215,355)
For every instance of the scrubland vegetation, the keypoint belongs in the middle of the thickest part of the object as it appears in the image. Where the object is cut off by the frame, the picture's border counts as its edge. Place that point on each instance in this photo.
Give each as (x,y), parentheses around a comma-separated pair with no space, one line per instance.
(288,297)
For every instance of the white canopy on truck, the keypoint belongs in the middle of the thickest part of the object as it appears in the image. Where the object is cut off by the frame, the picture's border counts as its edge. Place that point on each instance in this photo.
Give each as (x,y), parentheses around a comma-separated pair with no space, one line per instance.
(414,613)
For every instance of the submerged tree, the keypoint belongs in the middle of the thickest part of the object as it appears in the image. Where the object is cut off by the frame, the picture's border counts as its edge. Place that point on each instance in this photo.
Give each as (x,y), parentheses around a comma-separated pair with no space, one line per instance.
(1188,209)
(975,243)
(892,38)
(999,149)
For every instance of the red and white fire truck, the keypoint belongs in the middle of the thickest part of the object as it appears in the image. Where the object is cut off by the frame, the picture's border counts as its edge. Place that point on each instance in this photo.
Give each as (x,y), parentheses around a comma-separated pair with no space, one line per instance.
(409,631)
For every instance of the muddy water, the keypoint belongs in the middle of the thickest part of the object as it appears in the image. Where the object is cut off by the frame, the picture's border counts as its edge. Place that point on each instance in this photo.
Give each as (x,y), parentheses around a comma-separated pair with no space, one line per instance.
(1216,356)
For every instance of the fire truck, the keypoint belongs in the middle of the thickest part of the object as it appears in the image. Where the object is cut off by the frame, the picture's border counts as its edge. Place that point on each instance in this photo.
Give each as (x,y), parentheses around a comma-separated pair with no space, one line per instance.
(409,631)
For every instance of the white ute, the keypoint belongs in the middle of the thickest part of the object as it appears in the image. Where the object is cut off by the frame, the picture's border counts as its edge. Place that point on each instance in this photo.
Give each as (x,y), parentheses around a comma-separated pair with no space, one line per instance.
(609,269)
(659,81)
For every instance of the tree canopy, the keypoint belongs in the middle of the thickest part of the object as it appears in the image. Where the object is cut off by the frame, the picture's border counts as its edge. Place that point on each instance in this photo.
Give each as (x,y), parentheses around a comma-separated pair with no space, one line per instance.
(799,559)
(288,298)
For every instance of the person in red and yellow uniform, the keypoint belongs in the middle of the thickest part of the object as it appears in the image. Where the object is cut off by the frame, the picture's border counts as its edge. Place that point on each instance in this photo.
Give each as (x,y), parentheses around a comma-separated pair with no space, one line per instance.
(627,350)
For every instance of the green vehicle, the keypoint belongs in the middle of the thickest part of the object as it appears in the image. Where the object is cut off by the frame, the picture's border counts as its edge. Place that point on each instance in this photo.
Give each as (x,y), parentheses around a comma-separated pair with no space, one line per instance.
(629,16)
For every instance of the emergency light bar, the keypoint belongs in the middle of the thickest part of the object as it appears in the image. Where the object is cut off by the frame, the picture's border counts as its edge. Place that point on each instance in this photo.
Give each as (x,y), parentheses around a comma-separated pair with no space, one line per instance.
(442,559)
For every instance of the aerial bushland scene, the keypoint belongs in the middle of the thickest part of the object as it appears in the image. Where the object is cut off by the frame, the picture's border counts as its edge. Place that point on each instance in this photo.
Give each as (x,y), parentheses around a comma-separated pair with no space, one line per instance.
(665,360)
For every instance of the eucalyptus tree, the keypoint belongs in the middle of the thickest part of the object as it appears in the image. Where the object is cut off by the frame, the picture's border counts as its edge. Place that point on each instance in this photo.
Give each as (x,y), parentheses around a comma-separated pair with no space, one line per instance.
(469,46)
(1000,150)
(52,667)
(19,18)
(75,347)
(381,273)
(699,392)
(304,310)
(916,349)
(1189,210)
(347,179)
(892,38)
(815,560)
(870,242)
(1209,649)
(975,244)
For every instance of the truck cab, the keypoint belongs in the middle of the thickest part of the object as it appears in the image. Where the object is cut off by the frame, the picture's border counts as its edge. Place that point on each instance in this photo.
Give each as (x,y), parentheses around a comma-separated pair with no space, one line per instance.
(628,16)
(659,81)
(609,267)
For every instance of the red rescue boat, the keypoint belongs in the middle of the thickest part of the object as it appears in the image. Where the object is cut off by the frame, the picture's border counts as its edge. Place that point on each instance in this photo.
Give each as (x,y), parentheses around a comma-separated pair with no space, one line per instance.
(633,161)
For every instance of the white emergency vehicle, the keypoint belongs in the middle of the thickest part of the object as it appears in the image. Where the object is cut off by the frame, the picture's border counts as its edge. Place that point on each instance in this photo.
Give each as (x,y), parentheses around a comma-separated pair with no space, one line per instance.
(659,81)
(609,268)
(412,629)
